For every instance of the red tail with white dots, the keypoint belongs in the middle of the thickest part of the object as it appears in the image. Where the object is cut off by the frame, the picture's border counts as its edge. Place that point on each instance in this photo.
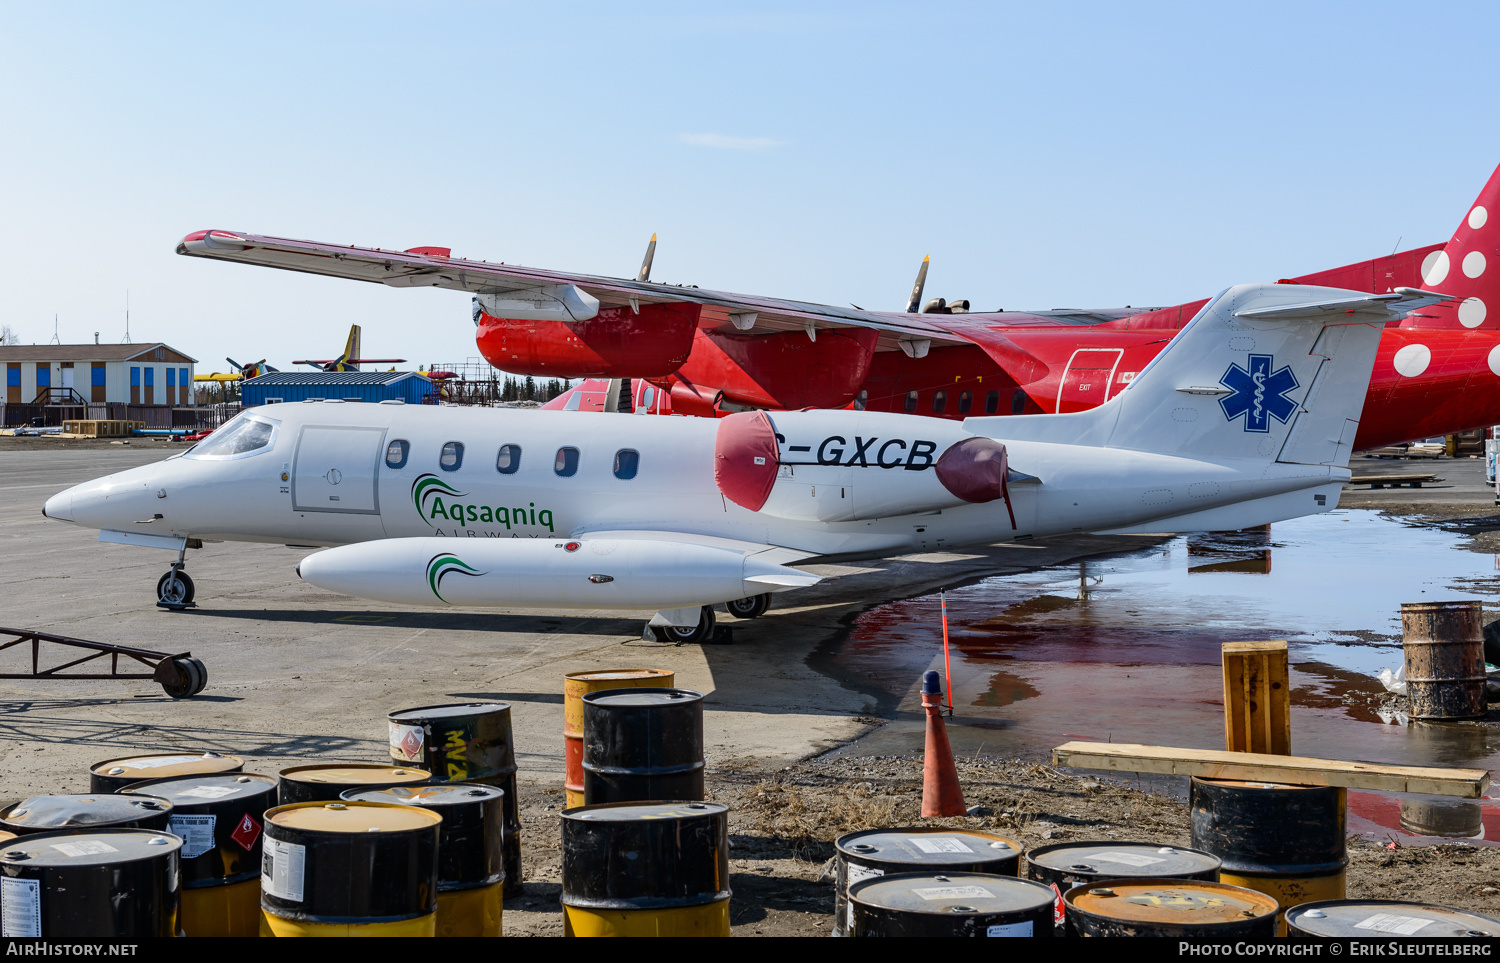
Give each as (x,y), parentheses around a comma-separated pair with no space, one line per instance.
(1468,268)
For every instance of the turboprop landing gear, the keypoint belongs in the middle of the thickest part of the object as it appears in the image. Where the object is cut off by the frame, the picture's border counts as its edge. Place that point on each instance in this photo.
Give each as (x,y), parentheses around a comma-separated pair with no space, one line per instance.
(749,608)
(688,634)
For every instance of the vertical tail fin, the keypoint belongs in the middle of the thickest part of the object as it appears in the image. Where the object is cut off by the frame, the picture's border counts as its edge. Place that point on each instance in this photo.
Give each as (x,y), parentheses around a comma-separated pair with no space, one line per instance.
(1467,269)
(351,349)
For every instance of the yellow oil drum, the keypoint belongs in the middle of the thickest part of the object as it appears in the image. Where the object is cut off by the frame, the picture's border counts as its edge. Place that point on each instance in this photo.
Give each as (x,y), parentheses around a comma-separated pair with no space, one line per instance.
(471,851)
(1175,908)
(328,781)
(349,869)
(112,775)
(1285,841)
(576,685)
(220,819)
(646,869)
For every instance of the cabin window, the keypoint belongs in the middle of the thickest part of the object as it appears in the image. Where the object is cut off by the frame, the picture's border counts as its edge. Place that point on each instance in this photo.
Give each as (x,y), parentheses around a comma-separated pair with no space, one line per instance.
(861,400)
(992,402)
(1018,402)
(508,460)
(396,454)
(911,402)
(567,462)
(241,436)
(627,463)
(939,402)
(965,402)
(452,458)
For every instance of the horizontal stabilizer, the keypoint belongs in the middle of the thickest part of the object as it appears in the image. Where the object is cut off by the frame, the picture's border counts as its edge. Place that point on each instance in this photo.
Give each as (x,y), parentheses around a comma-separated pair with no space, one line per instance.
(1387,306)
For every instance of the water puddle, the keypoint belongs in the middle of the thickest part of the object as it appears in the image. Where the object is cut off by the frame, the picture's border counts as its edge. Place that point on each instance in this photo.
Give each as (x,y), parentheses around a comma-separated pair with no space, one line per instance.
(1127,648)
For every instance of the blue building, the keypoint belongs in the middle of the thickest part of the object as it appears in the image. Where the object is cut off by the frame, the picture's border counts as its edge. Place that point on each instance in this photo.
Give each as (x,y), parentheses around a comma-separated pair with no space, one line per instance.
(372,386)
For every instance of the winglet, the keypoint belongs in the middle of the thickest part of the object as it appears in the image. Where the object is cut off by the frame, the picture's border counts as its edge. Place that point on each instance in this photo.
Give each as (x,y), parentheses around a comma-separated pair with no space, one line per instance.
(914,302)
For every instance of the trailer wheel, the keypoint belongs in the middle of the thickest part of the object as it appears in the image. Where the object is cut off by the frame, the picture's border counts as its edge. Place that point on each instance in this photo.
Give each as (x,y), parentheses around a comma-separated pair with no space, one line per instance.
(191,677)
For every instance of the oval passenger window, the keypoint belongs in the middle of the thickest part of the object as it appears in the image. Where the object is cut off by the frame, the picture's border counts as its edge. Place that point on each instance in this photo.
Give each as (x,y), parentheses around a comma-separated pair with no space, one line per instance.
(452,457)
(508,460)
(992,402)
(627,463)
(567,461)
(939,402)
(396,454)
(911,402)
(965,402)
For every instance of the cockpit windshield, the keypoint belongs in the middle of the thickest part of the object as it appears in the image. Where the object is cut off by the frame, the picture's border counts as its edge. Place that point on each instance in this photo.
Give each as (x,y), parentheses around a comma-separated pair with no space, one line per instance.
(243,436)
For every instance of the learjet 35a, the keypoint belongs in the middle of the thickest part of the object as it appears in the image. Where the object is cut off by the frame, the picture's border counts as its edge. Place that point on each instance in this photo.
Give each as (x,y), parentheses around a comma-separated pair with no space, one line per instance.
(1246,418)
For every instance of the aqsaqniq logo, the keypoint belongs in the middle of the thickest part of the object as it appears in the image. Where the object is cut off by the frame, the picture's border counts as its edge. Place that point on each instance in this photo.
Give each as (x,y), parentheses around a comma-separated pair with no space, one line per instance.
(1258,393)
(427,487)
(443,564)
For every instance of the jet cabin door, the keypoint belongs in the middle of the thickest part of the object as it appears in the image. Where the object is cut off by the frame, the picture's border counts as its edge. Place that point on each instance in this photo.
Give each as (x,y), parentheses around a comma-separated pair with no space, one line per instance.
(334,470)
(1086,382)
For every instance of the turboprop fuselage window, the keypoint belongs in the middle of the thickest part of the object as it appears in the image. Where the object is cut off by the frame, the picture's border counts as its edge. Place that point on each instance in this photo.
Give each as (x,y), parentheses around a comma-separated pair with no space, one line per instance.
(911,402)
(508,460)
(452,457)
(396,454)
(939,402)
(965,402)
(627,463)
(240,438)
(567,461)
(992,402)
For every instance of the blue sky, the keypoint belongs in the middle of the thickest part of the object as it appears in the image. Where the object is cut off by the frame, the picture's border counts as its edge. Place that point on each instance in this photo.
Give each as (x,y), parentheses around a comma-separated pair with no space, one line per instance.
(1044,155)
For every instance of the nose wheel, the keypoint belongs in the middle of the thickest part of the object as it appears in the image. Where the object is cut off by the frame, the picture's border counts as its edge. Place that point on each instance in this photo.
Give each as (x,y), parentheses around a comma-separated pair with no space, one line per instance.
(174,590)
(749,608)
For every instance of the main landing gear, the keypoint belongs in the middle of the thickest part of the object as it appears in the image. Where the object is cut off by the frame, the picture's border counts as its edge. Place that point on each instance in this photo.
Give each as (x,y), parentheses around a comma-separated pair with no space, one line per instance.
(749,608)
(705,631)
(174,590)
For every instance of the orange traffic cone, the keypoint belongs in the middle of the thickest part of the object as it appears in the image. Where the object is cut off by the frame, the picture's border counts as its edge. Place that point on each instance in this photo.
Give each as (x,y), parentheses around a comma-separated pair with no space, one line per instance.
(941,794)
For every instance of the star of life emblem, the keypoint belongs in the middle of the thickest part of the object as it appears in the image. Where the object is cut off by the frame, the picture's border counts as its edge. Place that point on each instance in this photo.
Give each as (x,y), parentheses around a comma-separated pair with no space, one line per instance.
(1258,393)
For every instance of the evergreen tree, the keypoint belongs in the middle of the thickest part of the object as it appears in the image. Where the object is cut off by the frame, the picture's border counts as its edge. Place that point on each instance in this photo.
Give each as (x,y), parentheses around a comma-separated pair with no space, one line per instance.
(530,389)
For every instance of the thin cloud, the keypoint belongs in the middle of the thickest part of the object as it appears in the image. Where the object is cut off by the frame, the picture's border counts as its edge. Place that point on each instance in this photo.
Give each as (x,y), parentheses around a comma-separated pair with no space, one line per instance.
(725,142)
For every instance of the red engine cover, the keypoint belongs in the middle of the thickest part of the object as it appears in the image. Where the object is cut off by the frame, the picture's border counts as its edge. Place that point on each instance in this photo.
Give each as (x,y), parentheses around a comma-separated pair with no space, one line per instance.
(745,458)
(786,370)
(618,343)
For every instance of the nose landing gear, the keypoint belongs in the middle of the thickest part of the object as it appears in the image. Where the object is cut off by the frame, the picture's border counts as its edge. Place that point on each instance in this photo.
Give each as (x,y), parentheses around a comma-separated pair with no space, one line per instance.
(174,590)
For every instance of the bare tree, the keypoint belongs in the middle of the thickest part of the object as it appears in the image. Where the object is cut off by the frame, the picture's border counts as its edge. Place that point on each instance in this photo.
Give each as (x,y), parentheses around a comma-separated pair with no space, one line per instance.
(8,335)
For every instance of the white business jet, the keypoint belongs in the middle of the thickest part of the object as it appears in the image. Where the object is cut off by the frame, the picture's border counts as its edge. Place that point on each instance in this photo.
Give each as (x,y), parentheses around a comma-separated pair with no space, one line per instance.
(1246,418)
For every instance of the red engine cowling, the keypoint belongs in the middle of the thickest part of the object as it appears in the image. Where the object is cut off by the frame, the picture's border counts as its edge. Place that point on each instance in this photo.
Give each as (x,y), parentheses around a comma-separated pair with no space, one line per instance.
(786,370)
(617,343)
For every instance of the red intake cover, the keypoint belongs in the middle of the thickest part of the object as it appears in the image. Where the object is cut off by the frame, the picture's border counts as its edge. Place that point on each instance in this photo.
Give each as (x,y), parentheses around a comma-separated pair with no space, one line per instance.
(746,458)
(973,469)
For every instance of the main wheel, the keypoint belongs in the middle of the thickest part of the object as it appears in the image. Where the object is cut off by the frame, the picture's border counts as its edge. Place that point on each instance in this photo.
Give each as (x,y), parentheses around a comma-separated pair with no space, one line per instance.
(688,635)
(175,588)
(749,608)
(188,682)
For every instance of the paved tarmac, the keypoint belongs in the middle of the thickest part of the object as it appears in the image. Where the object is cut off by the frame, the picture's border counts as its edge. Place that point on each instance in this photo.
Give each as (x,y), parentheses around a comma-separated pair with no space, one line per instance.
(296,673)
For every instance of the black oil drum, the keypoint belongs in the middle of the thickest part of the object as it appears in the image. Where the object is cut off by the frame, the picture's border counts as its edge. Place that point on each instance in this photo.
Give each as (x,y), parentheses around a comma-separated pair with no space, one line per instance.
(1176,908)
(642,744)
(882,852)
(328,781)
(646,869)
(349,869)
(220,820)
(1286,841)
(466,742)
(112,775)
(1386,919)
(62,813)
(1065,865)
(471,852)
(950,904)
(113,883)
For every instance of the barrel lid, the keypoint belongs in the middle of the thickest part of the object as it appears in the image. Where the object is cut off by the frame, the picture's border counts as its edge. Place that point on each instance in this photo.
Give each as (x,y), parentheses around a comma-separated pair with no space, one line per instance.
(356,774)
(447,794)
(642,697)
(1181,901)
(159,765)
(927,846)
(953,894)
(81,809)
(1116,858)
(618,675)
(351,817)
(456,710)
(641,812)
(197,790)
(87,849)
(1381,918)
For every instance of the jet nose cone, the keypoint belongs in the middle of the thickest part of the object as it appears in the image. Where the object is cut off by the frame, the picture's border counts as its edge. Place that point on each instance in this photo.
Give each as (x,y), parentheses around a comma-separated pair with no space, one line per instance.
(59,506)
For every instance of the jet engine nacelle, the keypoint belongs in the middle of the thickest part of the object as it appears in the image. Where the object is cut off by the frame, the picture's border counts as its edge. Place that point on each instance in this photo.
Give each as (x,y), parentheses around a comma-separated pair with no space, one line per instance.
(558,573)
(840,466)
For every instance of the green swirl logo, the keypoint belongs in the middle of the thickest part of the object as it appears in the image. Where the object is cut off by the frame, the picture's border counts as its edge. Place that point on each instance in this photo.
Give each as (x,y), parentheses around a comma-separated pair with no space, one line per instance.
(427,487)
(441,566)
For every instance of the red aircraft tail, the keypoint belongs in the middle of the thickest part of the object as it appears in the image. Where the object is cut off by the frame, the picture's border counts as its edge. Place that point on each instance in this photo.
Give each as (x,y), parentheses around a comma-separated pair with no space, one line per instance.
(1468,267)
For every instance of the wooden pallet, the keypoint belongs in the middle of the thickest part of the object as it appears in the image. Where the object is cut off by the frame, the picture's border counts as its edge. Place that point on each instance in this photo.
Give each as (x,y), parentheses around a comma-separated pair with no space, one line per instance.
(1393,481)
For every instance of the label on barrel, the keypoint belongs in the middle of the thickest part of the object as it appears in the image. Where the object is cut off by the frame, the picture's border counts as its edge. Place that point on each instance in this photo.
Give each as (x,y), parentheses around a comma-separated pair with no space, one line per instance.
(1059,908)
(940,844)
(207,792)
(281,866)
(197,833)
(1129,859)
(1022,928)
(1391,923)
(20,907)
(406,742)
(84,847)
(953,892)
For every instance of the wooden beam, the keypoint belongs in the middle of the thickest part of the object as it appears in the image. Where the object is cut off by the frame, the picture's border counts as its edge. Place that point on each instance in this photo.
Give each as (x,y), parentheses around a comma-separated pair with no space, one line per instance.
(1262,767)
(1257,698)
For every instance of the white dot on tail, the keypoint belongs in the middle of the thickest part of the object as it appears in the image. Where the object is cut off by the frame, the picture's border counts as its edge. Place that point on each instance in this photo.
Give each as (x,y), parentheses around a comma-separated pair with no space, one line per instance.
(1473,264)
(1477,217)
(1434,268)
(1412,360)
(1495,359)
(1471,313)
